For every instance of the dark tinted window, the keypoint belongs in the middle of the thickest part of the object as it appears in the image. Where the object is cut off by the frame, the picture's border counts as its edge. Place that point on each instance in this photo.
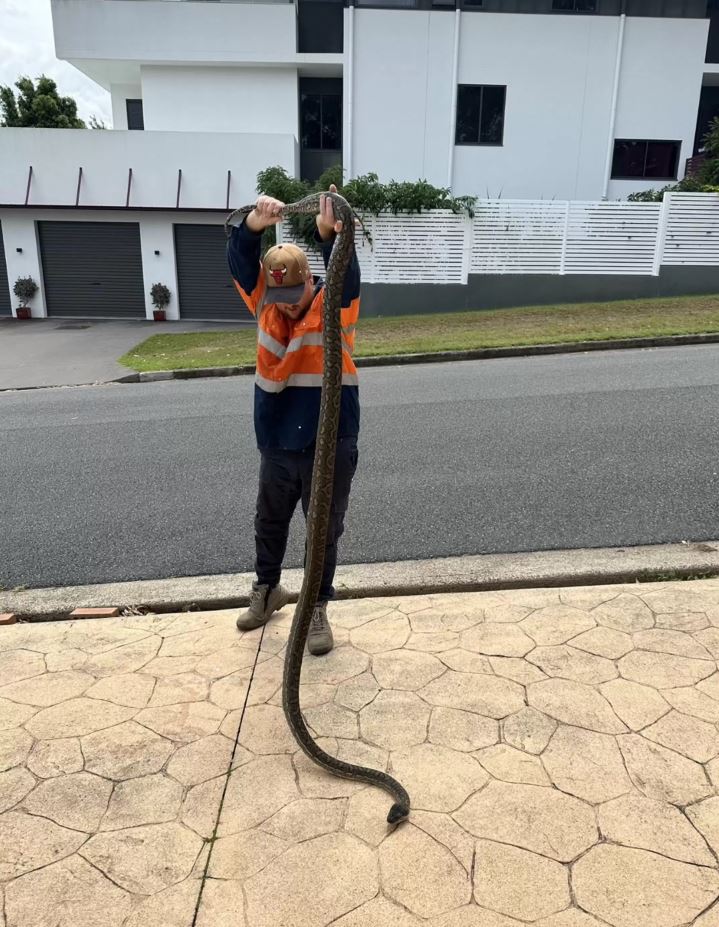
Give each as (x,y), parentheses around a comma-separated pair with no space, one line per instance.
(480,114)
(321,120)
(135,119)
(645,158)
(575,6)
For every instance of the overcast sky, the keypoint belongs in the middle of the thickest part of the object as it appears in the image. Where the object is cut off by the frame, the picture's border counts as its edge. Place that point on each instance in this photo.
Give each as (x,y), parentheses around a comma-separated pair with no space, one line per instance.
(27,49)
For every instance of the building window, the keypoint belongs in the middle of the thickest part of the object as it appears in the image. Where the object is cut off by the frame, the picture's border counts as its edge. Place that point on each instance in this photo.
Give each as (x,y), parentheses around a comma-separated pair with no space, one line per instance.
(135,119)
(575,6)
(638,158)
(480,114)
(321,121)
(320,25)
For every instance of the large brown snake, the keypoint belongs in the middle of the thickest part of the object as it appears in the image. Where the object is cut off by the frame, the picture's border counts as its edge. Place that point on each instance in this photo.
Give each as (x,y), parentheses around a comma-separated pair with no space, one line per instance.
(321,501)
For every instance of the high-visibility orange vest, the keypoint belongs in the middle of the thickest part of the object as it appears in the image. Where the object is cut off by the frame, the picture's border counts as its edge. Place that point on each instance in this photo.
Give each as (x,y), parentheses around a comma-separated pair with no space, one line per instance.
(289,353)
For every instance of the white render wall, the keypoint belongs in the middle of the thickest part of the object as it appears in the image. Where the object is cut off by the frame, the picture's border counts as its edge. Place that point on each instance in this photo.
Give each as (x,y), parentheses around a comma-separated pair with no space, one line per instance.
(402,93)
(559,73)
(155,157)
(119,95)
(660,86)
(156,234)
(219,99)
(155,31)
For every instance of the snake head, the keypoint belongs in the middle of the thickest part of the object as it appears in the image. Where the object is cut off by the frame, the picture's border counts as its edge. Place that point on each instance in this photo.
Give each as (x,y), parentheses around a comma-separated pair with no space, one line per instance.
(397,813)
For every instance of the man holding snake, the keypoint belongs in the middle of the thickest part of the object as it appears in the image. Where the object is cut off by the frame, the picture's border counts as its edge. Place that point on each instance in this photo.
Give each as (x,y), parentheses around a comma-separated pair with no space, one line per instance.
(286,299)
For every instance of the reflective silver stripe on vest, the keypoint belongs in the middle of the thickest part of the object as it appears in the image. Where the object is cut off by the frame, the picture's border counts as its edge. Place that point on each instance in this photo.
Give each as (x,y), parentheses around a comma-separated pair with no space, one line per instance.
(270,343)
(300,379)
(311,339)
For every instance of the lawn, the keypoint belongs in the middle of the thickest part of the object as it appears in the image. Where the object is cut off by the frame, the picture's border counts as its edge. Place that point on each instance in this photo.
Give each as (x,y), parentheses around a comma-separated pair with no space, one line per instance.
(453,331)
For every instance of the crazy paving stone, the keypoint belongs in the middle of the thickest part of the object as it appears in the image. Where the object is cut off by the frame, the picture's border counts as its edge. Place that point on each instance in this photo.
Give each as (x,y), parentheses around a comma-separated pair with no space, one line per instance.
(635,888)
(519,883)
(574,703)
(485,695)
(528,730)
(313,883)
(77,801)
(663,774)
(462,730)
(438,779)
(647,824)
(586,764)
(70,893)
(421,874)
(534,817)
(145,859)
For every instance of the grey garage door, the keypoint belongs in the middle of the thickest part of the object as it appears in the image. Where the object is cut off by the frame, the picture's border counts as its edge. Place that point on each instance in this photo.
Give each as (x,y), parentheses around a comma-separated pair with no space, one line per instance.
(5,307)
(203,278)
(92,269)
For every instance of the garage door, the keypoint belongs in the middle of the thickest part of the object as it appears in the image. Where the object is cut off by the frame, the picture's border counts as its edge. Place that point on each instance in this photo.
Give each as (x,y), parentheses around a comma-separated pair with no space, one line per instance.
(92,269)
(203,279)
(5,307)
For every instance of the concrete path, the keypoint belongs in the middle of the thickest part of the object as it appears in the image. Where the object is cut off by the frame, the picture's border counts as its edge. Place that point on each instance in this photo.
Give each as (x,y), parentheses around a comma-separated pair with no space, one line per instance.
(560,747)
(66,352)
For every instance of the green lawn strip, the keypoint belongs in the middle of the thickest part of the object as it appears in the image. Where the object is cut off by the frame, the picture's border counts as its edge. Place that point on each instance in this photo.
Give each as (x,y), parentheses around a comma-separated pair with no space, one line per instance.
(453,331)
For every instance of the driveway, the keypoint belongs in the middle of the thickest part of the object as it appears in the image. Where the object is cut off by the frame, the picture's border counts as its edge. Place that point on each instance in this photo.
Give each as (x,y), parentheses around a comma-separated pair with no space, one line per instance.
(68,352)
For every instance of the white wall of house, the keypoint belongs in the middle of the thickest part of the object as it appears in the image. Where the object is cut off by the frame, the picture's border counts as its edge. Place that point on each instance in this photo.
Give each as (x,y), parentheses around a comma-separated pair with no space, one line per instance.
(156,234)
(155,31)
(155,157)
(18,231)
(559,73)
(660,85)
(218,99)
(228,67)
(402,93)
(119,95)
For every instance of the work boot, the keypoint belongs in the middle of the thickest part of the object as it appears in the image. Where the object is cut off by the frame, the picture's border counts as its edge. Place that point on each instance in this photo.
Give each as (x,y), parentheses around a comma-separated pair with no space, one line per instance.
(319,640)
(263,602)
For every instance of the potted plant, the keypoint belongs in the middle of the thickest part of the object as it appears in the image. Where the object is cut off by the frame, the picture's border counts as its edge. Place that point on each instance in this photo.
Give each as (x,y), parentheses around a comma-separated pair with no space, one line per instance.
(160,299)
(25,288)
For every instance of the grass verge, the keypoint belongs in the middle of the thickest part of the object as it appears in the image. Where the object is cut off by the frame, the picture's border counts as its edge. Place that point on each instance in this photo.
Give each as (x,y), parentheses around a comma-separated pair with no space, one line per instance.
(453,331)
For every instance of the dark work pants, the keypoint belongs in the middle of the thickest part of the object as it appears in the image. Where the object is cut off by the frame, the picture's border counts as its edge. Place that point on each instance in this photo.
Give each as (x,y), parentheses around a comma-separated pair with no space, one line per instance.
(285,479)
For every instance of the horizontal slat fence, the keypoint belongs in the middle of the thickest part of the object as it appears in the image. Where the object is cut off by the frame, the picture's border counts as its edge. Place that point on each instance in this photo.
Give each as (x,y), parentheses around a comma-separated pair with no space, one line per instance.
(537,237)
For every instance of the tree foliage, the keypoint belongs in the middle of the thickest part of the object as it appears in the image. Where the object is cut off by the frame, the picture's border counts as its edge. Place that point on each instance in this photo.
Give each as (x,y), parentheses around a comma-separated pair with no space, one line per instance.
(38,104)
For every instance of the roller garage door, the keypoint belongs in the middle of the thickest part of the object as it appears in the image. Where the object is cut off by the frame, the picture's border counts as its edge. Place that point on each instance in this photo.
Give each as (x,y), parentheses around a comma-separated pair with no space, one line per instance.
(205,286)
(5,306)
(92,269)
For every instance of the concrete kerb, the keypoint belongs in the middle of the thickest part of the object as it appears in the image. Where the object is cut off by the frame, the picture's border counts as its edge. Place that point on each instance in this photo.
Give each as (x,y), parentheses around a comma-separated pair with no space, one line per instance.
(393,360)
(438,357)
(484,572)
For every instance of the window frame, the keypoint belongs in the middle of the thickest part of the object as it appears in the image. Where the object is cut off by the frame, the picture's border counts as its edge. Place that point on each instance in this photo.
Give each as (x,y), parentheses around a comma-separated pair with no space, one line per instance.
(134,101)
(479,143)
(647,142)
(321,94)
(575,11)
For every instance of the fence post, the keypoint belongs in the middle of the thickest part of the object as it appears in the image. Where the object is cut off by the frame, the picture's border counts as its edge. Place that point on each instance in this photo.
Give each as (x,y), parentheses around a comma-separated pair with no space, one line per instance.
(664,208)
(373,248)
(468,223)
(279,228)
(565,234)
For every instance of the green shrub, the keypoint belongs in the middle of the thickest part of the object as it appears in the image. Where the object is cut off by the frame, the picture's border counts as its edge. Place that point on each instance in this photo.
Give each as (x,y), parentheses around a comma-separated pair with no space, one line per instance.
(366,194)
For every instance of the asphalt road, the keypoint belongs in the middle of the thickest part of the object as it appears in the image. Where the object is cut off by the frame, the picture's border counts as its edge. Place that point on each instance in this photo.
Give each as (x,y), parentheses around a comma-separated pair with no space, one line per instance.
(153,480)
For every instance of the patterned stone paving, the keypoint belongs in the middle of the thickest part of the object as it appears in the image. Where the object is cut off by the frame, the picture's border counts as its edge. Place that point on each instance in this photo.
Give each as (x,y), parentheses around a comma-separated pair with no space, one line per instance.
(560,746)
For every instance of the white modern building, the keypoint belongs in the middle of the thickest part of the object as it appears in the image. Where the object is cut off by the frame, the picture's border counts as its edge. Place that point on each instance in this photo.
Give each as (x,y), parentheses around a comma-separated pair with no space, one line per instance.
(527,99)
